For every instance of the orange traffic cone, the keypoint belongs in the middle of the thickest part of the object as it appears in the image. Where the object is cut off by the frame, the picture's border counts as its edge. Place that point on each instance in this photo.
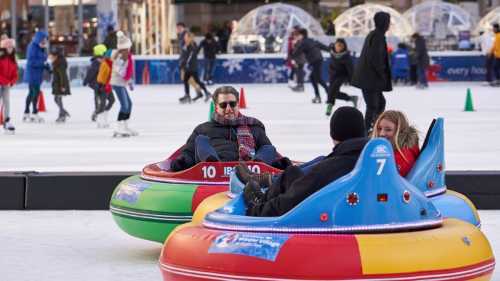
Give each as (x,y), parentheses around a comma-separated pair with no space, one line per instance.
(41,103)
(1,114)
(243,102)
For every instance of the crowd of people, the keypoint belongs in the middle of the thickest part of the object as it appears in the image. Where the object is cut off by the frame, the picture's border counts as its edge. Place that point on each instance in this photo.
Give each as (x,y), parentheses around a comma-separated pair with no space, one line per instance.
(110,72)
(229,135)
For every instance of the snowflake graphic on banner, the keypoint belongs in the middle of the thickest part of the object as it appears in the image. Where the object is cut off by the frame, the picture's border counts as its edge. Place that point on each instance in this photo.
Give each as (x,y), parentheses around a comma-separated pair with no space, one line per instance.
(233,65)
(267,72)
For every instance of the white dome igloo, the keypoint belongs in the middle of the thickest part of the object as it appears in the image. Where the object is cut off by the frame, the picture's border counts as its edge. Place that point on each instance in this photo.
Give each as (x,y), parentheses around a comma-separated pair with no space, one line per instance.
(439,19)
(267,28)
(358,21)
(485,24)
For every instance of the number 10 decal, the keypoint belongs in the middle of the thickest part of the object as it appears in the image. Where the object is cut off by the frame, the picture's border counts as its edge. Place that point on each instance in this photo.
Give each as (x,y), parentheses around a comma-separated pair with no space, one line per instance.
(208,172)
(381,164)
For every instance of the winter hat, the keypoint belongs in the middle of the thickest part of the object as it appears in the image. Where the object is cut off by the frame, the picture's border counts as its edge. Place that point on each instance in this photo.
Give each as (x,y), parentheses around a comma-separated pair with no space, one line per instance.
(122,41)
(99,50)
(7,43)
(347,123)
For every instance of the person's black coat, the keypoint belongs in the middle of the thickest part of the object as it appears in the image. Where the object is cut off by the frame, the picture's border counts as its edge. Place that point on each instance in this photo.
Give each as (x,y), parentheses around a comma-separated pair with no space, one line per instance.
(340,66)
(210,48)
(337,164)
(60,81)
(223,139)
(372,71)
(91,75)
(422,56)
(189,58)
(310,48)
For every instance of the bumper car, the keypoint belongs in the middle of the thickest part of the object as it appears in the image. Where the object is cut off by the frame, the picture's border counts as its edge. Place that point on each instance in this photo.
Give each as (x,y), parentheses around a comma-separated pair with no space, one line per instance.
(370,224)
(152,204)
(428,175)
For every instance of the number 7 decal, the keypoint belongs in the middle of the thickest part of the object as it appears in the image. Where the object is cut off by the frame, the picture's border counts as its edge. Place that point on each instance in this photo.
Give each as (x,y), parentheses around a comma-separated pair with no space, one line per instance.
(381,164)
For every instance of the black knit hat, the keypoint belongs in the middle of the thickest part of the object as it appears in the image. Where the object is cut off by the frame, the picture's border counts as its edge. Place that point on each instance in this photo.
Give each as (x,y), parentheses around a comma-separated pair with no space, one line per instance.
(347,123)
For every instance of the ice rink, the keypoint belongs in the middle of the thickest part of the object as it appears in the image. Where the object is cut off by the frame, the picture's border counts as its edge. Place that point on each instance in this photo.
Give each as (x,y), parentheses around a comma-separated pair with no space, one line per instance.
(298,128)
(87,245)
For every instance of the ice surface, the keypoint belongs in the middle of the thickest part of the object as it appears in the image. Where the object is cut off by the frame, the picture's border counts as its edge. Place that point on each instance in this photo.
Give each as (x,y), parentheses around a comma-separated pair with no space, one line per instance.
(298,128)
(87,245)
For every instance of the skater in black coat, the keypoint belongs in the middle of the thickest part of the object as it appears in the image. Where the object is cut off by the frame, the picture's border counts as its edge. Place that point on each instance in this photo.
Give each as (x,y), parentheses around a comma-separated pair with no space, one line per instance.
(294,185)
(372,73)
(189,66)
(210,50)
(340,72)
(312,51)
(60,81)
(423,60)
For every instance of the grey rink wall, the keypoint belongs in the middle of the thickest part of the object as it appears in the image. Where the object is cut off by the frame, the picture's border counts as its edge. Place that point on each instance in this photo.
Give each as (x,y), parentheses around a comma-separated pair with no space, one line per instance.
(92,190)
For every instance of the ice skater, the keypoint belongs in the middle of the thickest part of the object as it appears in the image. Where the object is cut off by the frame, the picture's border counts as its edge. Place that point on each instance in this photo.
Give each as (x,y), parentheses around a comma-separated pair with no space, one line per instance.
(372,73)
(340,72)
(60,81)
(8,78)
(210,49)
(189,66)
(103,100)
(312,51)
(121,76)
(36,63)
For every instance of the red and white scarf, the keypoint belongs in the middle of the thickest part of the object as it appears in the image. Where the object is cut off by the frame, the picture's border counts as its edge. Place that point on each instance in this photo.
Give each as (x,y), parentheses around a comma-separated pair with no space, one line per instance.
(246,142)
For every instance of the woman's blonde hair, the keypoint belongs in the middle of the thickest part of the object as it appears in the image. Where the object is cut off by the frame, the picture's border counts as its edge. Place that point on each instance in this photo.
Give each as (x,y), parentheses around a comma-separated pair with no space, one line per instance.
(405,135)
(190,37)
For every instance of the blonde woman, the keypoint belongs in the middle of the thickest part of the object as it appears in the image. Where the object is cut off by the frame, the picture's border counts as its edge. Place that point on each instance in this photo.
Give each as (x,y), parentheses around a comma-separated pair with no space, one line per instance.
(394,126)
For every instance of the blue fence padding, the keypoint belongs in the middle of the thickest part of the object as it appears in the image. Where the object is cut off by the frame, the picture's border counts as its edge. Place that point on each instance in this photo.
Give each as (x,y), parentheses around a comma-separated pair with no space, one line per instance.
(240,68)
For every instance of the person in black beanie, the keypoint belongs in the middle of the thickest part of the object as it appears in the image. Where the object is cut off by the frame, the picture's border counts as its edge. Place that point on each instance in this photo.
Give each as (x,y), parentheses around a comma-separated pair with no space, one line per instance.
(372,73)
(347,130)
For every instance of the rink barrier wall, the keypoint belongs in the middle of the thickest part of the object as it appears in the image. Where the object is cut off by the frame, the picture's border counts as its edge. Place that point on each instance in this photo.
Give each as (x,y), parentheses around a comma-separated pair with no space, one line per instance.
(12,191)
(266,68)
(71,190)
(92,190)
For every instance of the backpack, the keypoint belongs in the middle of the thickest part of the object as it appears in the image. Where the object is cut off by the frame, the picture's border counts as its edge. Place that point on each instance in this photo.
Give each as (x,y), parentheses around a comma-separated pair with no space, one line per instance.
(104,74)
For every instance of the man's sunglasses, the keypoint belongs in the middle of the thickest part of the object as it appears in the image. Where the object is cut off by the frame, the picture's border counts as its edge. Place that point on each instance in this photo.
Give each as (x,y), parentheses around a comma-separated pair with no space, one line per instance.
(224,104)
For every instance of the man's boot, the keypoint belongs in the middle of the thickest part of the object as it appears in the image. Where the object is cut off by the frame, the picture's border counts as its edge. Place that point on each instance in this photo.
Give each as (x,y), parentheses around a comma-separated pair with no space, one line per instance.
(245,175)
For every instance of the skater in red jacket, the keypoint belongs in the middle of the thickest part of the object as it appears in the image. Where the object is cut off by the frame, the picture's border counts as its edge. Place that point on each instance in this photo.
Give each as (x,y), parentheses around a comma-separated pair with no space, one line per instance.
(8,78)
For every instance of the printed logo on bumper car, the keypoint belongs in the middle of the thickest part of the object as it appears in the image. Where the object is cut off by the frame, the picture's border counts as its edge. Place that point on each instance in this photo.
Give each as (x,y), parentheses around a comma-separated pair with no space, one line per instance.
(380,151)
(264,247)
(131,190)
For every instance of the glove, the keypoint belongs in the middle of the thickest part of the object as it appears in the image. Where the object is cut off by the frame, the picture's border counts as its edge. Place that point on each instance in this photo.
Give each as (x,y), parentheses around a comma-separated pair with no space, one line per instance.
(178,164)
(252,194)
(282,163)
(131,86)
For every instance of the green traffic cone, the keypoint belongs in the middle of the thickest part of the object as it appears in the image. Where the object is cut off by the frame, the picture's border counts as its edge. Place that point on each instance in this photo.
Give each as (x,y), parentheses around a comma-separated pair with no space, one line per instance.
(468,101)
(211,110)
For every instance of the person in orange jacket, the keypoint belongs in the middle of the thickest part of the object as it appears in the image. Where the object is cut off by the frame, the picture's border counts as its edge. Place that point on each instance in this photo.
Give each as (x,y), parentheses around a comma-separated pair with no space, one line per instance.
(495,52)
(394,126)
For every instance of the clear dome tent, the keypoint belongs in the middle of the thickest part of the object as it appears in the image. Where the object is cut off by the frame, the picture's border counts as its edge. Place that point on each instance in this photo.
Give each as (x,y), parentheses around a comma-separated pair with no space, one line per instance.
(439,20)
(267,28)
(358,21)
(485,24)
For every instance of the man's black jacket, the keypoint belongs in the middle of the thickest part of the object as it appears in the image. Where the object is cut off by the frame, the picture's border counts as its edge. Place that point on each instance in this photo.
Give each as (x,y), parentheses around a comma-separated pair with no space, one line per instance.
(337,164)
